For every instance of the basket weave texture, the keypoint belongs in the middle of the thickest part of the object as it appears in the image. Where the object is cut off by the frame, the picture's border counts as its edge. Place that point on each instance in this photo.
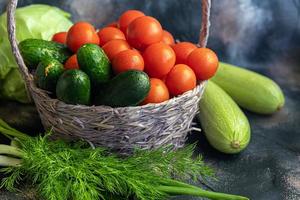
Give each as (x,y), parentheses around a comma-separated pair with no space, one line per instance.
(120,129)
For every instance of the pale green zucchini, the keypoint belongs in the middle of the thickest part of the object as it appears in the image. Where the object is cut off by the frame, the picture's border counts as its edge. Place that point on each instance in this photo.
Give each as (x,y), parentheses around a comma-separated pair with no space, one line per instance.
(225,125)
(250,90)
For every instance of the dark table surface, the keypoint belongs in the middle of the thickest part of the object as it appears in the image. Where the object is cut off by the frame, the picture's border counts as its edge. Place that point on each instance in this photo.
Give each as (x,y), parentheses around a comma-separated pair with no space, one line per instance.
(261,35)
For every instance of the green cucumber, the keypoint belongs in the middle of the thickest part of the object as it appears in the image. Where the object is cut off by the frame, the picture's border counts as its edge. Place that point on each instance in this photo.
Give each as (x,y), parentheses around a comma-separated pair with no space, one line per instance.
(47,74)
(126,89)
(250,90)
(74,87)
(35,50)
(94,62)
(225,126)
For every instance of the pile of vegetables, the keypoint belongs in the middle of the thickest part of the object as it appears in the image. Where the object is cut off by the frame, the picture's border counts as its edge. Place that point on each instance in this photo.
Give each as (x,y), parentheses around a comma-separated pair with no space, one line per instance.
(31,22)
(128,63)
(75,171)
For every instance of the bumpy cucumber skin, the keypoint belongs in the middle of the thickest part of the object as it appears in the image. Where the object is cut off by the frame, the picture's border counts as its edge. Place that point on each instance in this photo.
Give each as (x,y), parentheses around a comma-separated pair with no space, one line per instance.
(35,50)
(74,87)
(94,62)
(126,89)
(250,90)
(225,125)
(47,74)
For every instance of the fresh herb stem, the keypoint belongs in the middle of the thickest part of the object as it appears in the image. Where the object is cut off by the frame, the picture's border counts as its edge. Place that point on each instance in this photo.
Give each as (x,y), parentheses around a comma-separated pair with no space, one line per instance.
(12,132)
(6,161)
(5,125)
(195,191)
(15,143)
(171,186)
(9,150)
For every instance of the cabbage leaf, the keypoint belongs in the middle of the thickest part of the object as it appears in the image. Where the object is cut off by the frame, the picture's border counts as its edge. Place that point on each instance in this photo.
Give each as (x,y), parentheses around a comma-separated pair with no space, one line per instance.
(34,21)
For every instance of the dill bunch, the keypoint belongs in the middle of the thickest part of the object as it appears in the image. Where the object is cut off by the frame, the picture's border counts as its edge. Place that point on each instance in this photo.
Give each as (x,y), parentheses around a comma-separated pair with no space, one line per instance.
(63,171)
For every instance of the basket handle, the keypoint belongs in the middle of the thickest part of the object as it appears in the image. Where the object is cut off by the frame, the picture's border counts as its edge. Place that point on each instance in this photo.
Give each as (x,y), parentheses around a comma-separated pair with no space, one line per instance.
(11,27)
(205,23)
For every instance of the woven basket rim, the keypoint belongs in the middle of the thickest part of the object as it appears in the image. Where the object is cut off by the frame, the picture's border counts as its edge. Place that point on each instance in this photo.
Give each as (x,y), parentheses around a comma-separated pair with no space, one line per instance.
(105,107)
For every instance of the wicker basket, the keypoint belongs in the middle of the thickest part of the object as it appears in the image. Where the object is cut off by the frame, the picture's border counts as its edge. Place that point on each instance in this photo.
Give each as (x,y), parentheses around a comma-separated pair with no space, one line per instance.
(121,129)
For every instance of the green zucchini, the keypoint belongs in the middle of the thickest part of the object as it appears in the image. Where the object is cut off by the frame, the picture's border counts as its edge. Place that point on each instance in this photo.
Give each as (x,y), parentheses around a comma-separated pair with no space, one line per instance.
(35,50)
(225,126)
(47,74)
(250,90)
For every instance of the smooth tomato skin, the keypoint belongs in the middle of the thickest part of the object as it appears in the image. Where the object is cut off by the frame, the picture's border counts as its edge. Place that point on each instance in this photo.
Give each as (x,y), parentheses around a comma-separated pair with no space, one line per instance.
(167,38)
(143,32)
(110,33)
(159,59)
(127,17)
(72,63)
(181,79)
(127,60)
(182,51)
(60,37)
(204,62)
(158,92)
(81,33)
(113,47)
(113,24)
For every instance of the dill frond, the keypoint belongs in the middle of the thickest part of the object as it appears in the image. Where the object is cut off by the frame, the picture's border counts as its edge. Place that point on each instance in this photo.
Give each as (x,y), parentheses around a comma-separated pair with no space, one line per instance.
(64,171)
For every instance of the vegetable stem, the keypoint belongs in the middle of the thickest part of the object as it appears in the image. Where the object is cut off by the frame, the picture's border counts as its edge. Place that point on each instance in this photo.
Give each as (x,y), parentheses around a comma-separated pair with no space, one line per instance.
(15,143)
(5,125)
(6,161)
(12,132)
(195,191)
(6,149)
(199,191)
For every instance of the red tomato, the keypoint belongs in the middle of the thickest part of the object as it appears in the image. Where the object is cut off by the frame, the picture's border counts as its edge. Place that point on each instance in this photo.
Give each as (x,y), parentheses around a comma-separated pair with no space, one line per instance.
(159,59)
(143,32)
(181,79)
(127,17)
(60,37)
(182,51)
(81,33)
(136,50)
(167,38)
(158,92)
(110,33)
(113,47)
(204,62)
(113,24)
(126,60)
(72,63)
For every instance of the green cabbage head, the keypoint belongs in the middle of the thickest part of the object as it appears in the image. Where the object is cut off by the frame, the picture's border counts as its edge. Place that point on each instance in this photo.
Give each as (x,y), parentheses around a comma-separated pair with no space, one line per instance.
(34,21)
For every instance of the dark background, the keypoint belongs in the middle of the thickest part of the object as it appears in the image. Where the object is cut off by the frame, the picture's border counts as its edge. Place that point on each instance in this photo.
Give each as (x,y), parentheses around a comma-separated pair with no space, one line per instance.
(261,35)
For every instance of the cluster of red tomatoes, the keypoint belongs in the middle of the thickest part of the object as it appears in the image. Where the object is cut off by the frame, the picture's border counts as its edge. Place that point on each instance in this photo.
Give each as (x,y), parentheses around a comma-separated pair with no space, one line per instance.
(137,41)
